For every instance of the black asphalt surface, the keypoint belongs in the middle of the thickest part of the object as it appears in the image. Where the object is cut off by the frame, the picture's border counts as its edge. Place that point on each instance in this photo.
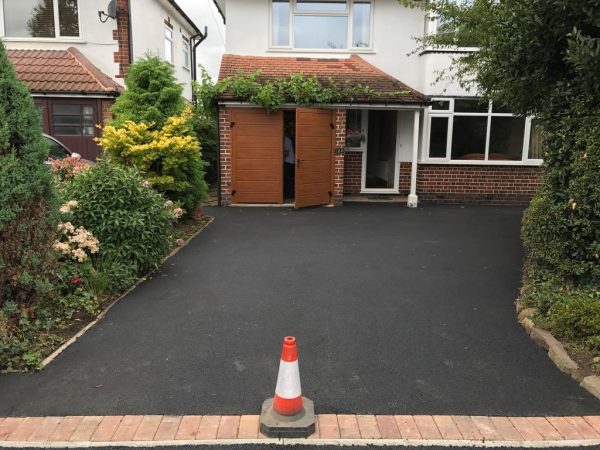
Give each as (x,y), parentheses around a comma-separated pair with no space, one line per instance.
(396,311)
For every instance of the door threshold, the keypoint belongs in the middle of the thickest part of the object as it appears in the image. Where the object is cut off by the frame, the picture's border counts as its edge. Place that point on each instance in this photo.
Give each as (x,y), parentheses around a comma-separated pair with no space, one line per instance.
(263,205)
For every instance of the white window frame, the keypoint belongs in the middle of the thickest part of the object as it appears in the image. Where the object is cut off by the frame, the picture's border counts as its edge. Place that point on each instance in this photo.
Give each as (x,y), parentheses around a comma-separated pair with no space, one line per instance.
(431,27)
(170,40)
(347,13)
(185,45)
(450,114)
(57,36)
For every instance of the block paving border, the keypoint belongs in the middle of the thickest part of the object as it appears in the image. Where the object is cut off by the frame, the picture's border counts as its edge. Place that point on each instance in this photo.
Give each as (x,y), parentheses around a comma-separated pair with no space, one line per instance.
(331,429)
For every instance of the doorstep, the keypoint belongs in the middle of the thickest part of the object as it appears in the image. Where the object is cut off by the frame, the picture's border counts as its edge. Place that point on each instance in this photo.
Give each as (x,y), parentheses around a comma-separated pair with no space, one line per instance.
(332,429)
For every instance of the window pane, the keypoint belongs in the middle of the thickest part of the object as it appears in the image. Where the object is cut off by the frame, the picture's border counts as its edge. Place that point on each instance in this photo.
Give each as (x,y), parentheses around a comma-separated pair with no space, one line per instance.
(536,141)
(67,131)
(468,138)
(498,108)
(88,110)
(281,23)
(29,18)
(506,139)
(321,32)
(66,120)
(88,131)
(321,5)
(68,16)
(57,151)
(440,105)
(438,138)
(186,54)
(361,23)
(355,133)
(470,106)
(66,109)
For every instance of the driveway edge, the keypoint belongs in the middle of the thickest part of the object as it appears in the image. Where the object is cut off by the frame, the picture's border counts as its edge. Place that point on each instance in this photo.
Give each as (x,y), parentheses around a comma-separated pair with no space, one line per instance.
(556,351)
(52,356)
(332,430)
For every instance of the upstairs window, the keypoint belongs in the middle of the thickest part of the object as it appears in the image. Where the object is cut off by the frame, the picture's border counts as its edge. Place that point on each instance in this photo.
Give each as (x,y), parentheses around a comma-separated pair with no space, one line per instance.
(185,50)
(469,130)
(321,24)
(168,44)
(41,18)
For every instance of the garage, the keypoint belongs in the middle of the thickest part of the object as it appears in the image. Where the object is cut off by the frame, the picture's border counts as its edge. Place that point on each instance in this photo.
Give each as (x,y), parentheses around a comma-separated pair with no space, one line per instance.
(261,143)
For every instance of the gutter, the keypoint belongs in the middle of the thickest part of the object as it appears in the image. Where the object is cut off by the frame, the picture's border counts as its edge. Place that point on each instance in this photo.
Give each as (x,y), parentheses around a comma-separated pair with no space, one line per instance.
(174,4)
(393,106)
(220,11)
(129,33)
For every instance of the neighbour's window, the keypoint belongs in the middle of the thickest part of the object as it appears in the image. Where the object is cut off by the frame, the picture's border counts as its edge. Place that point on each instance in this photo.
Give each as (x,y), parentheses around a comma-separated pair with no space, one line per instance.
(41,18)
(536,140)
(471,130)
(73,119)
(168,44)
(321,24)
(185,46)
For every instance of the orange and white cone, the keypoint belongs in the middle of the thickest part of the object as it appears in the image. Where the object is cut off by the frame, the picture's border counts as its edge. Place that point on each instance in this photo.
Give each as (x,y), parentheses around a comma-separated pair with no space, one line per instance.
(288,392)
(288,414)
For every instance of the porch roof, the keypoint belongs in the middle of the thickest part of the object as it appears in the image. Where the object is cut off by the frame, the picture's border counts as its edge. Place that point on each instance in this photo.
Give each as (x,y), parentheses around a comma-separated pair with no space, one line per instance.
(354,70)
(61,71)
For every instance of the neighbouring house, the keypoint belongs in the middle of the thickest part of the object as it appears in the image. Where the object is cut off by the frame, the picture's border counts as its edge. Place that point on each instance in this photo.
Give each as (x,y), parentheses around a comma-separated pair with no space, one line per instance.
(74,54)
(420,136)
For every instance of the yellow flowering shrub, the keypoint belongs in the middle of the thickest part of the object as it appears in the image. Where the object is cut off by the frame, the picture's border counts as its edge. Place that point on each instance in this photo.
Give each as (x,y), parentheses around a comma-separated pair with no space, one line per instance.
(169,157)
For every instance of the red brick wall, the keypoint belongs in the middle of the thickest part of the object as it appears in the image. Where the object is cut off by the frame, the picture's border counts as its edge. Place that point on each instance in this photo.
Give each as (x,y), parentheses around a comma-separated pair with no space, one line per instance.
(121,35)
(340,146)
(225,154)
(352,172)
(444,183)
(106,115)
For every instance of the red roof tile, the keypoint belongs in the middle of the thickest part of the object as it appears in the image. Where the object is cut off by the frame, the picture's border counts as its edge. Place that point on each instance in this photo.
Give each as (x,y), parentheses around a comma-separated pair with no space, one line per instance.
(354,70)
(61,71)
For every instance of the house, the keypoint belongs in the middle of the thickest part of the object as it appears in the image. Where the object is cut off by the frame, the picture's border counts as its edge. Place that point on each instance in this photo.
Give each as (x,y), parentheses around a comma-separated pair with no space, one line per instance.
(74,54)
(419,136)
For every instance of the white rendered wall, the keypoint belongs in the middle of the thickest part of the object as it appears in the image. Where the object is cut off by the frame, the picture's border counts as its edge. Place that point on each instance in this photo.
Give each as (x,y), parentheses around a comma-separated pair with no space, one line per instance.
(95,41)
(248,25)
(148,36)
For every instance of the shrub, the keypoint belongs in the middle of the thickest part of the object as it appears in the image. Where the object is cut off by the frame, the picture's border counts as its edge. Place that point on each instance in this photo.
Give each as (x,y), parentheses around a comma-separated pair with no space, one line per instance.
(130,220)
(65,169)
(27,222)
(169,157)
(578,319)
(152,96)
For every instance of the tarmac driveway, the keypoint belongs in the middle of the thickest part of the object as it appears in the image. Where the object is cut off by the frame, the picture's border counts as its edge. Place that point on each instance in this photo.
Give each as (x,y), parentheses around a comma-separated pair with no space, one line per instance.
(396,311)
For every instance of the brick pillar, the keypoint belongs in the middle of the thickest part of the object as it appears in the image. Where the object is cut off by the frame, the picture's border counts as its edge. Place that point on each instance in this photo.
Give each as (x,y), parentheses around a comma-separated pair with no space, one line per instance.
(340,148)
(225,154)
(121,35)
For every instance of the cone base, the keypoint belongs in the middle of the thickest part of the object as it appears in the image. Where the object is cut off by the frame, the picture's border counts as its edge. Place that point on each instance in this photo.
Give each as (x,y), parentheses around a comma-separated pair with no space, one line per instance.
(299,426)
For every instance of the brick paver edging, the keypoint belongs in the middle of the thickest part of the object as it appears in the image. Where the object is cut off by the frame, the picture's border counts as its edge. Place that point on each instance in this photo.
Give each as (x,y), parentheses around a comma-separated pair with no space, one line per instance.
(446,431)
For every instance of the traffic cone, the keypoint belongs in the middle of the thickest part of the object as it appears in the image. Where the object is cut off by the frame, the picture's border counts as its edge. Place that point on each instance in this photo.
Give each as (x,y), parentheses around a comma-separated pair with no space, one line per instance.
(288,414)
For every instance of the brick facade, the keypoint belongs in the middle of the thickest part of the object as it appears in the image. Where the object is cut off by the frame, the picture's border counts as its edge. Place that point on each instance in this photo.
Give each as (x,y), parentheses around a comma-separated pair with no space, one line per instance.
(340,146)
(121,35)
(106,115)
(443,183)
(225,154)
(446,183)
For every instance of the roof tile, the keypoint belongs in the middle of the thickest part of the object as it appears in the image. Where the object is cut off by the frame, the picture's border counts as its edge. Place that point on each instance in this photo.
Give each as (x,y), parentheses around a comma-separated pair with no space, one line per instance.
(353,70)
(61,71)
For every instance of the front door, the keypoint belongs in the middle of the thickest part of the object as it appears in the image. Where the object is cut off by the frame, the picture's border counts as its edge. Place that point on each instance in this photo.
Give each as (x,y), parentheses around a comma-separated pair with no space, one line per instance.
(315,139)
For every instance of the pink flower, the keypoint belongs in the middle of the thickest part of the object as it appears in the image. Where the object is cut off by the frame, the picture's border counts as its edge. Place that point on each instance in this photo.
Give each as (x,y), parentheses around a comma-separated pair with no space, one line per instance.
(168,204)
(178,212)
(180,242)
(76,280)
(146,183)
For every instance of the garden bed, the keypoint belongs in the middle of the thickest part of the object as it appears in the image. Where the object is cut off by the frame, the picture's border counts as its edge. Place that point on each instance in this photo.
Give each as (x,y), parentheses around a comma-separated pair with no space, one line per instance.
(61,337)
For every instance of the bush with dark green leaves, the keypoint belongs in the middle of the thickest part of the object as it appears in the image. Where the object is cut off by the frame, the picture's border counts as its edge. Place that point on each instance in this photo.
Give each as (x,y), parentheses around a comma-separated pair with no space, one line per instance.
(27,200)
(129,219)
(152,96)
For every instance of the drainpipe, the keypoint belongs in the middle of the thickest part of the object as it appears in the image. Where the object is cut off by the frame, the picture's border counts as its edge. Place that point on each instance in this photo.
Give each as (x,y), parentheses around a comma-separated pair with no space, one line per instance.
(129,34)
(218,158)
(413,200)
(193,46)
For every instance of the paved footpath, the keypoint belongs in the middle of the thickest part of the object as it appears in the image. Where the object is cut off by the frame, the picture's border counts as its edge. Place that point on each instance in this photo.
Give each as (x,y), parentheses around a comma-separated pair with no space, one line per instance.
(332,429)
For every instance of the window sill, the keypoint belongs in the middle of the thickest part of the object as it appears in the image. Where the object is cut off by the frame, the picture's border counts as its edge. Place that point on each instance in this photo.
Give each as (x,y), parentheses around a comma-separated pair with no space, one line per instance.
(355,149)
(35,39)
(531,163)
(429,51)
(316,50)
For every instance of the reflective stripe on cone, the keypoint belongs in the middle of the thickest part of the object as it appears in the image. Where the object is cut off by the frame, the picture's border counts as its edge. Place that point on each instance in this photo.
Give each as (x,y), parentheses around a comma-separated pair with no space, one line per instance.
(288,392)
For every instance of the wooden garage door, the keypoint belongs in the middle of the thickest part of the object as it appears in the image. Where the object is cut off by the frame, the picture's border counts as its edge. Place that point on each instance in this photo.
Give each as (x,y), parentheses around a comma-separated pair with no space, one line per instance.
(257,156)
(315,135)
